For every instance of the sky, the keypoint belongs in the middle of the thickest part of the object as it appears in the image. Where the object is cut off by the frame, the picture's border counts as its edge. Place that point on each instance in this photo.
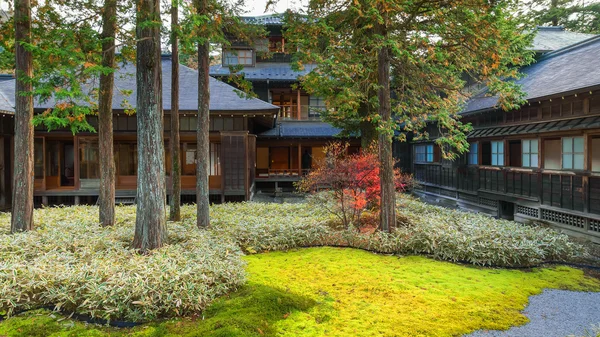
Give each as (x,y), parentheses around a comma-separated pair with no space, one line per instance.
(257,7)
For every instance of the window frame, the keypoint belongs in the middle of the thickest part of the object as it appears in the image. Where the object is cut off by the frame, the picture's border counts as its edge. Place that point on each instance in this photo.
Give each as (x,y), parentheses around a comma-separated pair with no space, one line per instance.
(428,154)
(236,54)
(573,154)
(529,153)
(497,155)
(473,154)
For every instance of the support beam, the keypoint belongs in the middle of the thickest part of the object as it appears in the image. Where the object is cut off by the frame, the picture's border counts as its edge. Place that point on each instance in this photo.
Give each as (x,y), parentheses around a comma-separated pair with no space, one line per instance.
(299,107)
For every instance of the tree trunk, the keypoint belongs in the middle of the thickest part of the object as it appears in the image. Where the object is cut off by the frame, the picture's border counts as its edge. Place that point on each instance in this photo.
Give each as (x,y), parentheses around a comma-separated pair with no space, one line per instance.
(175,209)
(202,188)
(368,131)
(150,222)
(105,116)
(386,171)
(22,199)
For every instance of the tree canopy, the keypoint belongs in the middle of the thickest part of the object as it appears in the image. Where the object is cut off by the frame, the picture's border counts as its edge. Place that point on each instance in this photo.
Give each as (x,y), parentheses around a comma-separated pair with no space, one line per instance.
(577,15)
(435,47)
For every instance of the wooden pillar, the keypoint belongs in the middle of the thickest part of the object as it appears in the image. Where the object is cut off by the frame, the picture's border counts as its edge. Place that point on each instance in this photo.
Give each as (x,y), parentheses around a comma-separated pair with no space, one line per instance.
(299,107)
(299,160)
(77,201)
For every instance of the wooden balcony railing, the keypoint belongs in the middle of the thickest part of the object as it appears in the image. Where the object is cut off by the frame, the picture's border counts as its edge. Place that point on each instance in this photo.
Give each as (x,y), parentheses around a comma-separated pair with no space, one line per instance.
(577,191)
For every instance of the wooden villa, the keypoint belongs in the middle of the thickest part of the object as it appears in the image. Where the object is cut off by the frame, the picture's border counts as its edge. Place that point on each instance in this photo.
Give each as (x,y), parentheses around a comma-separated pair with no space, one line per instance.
(540,162)
(67,166)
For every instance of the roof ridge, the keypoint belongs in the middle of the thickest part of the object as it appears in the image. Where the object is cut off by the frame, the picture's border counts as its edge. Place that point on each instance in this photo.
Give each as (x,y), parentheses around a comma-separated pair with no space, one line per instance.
(569,48)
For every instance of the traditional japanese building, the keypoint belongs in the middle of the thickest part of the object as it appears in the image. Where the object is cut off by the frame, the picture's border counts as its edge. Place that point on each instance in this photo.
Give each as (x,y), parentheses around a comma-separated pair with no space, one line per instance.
(295,144)
(67,166)
(540,162)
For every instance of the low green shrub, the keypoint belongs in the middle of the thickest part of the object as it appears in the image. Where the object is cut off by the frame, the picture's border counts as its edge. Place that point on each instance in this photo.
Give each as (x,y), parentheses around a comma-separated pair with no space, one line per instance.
(77,266)
(445,234)
(72,263)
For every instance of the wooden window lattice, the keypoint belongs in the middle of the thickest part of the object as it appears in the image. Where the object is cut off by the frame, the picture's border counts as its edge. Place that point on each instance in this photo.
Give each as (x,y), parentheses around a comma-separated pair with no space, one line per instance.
(563,218)
(528,211)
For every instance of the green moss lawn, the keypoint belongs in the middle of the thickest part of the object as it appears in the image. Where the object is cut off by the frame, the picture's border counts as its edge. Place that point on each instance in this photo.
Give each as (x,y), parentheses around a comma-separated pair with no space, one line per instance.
(345,292)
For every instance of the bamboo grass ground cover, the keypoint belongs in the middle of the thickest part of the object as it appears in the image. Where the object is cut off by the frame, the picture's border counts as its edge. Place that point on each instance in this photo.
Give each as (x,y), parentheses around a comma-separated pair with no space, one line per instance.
(345,292)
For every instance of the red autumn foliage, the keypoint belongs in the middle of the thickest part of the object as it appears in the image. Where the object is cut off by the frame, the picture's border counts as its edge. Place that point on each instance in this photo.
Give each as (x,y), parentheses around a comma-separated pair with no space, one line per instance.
(352,181)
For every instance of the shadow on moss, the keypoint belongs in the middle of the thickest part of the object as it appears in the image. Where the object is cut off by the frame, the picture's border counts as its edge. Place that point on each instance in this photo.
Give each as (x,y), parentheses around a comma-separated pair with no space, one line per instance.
(251,311)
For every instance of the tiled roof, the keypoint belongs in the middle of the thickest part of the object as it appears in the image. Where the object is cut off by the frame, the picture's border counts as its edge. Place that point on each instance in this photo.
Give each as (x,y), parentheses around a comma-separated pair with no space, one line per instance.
(301,129)
(223,97)
(269,20)
(265,71)
(522,129)
(553,38)
(6,105)
(573,68)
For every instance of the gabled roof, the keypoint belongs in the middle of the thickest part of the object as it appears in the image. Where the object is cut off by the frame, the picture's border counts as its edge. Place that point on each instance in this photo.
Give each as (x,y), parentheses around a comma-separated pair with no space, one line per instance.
(301,129)
(556,37)
(268,20)
(223,97)
(266,71)
(570,69)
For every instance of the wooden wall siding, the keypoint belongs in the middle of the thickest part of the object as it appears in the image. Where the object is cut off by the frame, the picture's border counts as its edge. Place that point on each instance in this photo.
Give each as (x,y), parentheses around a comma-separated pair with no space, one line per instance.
(594,195)
(233,152)
(522,183)
(436,175)
(491,180)
(468,179)
(557,108)
(563,191)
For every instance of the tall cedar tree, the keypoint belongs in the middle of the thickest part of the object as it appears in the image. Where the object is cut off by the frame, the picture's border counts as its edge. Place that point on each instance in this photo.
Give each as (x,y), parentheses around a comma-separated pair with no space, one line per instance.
(175,207)
(432,47)
(212,22)
(22,199)
(150,222)
(76,50)
(105,116)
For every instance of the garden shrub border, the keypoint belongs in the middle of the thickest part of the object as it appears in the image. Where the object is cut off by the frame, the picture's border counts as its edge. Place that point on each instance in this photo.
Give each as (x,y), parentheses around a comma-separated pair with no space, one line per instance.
(439,233)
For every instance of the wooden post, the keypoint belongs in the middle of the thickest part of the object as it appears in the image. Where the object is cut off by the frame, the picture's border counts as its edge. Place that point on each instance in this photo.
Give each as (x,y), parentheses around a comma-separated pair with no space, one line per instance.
(299,160)
(299,108)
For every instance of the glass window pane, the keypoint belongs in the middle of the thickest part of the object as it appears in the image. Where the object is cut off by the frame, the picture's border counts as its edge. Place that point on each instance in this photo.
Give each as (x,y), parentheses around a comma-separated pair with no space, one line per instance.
(526,147)
(494,147)
(430,157)
(578,144)
(534,146)
(567,161)
(567,145)
(500,160)
(494,159)
(534,160)
(526,162)
(578,162)
(500,147)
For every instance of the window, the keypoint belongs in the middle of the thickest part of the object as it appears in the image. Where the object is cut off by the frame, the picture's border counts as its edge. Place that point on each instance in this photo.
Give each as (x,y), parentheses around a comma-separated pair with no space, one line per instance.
(473,156)
(424,153)
(215,162)
(38,158)
(497,153)
(596,154)
(572,153)
(276,44)
(89,165)
(530,152)
(127,159)
(316,105)
(235,57)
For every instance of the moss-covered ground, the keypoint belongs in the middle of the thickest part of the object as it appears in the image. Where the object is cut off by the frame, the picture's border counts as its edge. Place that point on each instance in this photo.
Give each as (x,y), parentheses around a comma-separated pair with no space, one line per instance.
(345,292)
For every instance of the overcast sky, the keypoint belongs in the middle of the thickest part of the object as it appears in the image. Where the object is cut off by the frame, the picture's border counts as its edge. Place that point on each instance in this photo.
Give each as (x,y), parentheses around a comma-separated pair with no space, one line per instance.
(257,7)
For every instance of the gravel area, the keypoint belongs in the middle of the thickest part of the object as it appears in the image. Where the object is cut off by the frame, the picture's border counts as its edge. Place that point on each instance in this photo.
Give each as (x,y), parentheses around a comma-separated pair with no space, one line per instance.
(555,313)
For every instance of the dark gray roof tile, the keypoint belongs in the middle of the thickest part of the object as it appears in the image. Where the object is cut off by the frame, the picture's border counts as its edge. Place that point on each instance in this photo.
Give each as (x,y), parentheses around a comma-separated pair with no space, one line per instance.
(566,70)
(223,96)
(301,129)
